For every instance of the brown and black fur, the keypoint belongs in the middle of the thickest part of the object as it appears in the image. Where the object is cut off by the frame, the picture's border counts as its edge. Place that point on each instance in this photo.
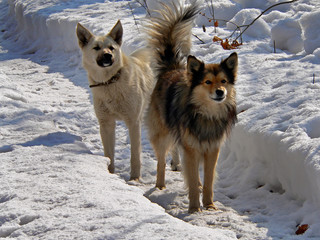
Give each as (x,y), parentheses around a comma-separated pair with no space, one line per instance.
(193,105)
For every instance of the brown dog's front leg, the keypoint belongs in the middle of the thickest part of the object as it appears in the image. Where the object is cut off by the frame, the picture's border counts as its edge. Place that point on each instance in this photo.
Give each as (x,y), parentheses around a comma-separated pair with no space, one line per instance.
(191,170)
(210,162)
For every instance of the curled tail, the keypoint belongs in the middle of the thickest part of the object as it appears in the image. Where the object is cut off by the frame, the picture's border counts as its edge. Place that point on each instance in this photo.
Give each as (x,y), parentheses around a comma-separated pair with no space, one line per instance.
(170,35)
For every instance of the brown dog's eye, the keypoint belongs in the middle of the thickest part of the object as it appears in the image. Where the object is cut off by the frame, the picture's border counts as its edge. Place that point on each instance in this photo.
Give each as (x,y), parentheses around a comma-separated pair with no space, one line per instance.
(97,48)
(208,82)
(223,81)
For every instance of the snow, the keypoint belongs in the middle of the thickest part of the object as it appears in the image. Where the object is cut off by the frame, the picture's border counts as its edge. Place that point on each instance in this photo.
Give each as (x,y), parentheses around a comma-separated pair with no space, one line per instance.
(288,34)
(254,4)
(246,16)
(223,10)
(54,182)
(311,29)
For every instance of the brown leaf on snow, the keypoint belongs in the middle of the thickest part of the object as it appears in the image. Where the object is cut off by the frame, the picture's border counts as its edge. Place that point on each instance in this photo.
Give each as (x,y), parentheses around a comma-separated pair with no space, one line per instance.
(217,39)
(302,229)
(236,44)
(225,43)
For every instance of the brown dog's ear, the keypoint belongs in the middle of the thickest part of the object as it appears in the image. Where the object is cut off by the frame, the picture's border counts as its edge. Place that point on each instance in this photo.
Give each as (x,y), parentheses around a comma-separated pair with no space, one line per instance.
(116,33)
(84,35)
(194,65)
(230,66)
(231,63)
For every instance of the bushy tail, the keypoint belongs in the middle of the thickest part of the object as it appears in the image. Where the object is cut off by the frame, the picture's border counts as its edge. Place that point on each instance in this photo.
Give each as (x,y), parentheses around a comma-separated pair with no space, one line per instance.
(170,35)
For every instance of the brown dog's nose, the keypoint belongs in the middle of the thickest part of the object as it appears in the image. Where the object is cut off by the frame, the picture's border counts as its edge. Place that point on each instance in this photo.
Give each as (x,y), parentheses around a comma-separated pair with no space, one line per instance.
(219,93)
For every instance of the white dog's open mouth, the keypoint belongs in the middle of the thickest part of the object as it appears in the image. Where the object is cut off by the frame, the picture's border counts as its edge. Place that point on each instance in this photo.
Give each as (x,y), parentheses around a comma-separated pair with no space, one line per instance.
(106,64)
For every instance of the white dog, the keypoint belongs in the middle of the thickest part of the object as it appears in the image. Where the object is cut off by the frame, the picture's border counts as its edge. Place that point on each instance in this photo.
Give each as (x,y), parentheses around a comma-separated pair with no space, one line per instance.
(121,86)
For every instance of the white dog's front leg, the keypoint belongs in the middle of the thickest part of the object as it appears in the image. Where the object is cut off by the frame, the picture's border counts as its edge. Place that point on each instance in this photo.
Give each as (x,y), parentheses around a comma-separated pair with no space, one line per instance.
(135,139)
(175,163)
(107,132)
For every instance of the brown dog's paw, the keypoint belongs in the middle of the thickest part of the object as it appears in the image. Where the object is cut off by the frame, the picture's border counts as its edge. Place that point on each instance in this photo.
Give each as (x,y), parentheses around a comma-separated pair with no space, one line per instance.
(111,169)
(136,179)
(211,207)
(194,210)
(161,187)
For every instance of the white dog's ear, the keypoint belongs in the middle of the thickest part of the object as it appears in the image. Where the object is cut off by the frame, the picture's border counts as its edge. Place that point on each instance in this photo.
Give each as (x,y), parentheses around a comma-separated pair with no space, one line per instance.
(84,35)
(117,32)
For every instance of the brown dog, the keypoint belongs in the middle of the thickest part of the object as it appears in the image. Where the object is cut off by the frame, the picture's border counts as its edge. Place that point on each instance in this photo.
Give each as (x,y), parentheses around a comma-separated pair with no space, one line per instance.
(192,105)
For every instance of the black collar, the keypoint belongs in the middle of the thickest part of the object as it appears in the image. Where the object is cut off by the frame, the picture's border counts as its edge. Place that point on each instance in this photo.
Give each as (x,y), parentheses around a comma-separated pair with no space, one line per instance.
(113,79)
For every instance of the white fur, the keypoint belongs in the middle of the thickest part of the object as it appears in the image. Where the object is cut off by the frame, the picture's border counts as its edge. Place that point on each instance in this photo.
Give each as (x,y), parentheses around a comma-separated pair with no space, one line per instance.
(123,100)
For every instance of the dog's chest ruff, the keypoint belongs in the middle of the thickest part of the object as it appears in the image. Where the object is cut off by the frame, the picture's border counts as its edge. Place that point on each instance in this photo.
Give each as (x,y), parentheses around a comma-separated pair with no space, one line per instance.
(210,129)
(113,79)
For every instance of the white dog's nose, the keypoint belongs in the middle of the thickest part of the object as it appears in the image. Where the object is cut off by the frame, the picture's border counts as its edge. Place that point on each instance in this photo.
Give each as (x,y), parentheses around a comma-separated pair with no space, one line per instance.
(105,60)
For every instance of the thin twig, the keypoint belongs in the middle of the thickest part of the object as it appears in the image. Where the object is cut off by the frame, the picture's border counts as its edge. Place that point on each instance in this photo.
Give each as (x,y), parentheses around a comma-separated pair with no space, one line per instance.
(198,38)
(238,28)
(134,17)
(211,9)
(144,5)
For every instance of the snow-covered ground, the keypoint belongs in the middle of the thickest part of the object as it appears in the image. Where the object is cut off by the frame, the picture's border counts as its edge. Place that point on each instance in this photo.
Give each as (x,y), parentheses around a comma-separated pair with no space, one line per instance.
(54,182)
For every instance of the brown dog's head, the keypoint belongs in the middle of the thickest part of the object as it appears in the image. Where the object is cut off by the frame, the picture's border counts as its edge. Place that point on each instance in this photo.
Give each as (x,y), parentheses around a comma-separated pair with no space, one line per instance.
(213,84)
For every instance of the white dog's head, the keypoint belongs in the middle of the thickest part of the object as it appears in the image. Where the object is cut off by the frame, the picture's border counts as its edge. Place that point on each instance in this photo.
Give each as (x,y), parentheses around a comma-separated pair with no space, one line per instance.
(100,51)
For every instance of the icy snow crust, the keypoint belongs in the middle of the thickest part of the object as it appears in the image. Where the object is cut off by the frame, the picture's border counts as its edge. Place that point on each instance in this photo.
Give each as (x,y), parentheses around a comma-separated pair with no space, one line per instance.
(54,182)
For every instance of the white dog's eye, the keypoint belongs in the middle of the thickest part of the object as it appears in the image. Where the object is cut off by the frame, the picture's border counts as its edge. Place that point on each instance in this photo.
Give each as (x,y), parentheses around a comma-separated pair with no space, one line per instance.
(97,48)
(111,48)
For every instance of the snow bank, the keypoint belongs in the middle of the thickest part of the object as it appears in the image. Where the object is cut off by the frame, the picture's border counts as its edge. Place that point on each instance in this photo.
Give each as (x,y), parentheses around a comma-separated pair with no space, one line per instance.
(35,29)
(50,25)
(311,31)
(285,169)
(287,35)
(271,176)
(274,15)
(259,29)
